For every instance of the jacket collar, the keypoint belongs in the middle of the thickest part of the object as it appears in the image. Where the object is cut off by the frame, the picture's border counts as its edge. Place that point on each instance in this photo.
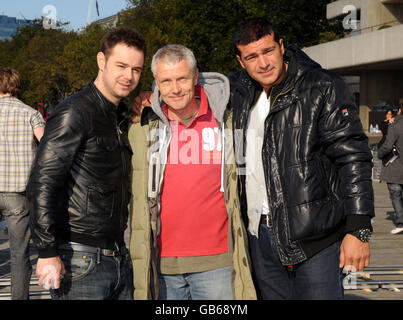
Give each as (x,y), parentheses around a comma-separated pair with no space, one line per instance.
(101,100)
(298,64)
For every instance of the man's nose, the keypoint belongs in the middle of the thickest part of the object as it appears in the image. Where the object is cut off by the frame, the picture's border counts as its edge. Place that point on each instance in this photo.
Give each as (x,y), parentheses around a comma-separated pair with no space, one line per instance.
(263,62)
(176,88)
(129,74)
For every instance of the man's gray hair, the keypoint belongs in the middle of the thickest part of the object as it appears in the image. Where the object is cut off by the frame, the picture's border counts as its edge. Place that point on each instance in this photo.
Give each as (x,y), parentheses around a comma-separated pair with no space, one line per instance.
(174,53)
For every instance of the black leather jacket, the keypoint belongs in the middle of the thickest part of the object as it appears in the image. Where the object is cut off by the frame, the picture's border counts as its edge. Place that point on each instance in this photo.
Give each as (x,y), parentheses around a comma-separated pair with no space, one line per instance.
(79,184)
(316,158)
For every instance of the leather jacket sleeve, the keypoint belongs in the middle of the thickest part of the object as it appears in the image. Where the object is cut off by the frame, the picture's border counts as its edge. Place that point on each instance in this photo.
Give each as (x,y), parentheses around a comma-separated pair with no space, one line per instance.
(346,144)
(63,136)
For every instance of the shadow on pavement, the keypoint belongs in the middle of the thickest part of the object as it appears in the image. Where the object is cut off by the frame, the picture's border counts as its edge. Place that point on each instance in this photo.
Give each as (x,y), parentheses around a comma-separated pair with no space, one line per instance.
(350,296)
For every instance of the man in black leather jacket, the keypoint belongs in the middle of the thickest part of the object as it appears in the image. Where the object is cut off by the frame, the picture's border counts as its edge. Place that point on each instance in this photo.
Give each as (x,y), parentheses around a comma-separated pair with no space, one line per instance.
(306,168)
(79,184)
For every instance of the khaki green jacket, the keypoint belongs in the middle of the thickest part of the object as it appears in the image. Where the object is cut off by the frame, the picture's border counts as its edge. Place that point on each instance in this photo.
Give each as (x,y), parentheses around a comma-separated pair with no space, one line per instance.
(144,138)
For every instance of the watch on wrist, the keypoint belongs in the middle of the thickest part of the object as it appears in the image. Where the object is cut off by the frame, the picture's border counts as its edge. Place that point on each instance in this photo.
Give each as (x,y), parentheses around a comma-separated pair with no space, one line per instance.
(363,234)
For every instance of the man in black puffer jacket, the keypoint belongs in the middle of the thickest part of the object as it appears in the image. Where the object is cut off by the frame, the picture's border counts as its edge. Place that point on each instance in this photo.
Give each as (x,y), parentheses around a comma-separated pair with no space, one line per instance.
(305,168)
(79,184)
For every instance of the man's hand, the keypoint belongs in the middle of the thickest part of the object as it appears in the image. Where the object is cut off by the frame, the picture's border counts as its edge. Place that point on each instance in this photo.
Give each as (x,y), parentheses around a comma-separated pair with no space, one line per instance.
(354,252)
(142,100)
(50,267)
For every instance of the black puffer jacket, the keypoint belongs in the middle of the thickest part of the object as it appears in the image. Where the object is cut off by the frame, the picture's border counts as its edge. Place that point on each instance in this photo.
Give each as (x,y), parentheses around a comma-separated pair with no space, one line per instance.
(316,158)
(79,183)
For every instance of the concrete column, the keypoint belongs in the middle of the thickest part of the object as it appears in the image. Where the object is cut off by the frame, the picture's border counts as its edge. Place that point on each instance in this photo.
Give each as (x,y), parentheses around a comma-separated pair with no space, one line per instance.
(364,117)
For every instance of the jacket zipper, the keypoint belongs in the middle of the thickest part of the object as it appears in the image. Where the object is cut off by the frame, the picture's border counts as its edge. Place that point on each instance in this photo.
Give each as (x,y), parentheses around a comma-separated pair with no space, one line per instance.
(161,175)
(270,216)
(124,169)
(165,153)
(280,94)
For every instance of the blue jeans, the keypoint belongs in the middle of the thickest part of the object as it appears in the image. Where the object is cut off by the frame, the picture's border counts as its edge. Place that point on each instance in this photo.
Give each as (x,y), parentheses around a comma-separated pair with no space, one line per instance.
(318,278)
(208,285)
(396,196)
(15,208)
(92,277)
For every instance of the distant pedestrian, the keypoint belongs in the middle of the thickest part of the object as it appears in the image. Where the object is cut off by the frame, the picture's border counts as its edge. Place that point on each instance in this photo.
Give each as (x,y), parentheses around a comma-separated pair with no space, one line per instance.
(393,173)
(389,119)
(20,125)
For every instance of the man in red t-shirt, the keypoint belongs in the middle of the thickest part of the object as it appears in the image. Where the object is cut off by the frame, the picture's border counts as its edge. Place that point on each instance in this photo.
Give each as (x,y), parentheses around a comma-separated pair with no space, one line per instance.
(193,240)
(187,194)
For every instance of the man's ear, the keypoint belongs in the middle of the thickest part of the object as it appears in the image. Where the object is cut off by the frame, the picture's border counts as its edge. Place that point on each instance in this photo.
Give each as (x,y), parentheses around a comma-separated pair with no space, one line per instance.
(281,43)
(240,61)
(101,60)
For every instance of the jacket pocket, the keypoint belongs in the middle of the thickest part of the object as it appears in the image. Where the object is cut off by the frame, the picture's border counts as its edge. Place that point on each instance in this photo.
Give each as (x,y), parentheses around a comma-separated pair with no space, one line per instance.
(311,219)
(78,265)
(304,184)
(329,178)
(101,200)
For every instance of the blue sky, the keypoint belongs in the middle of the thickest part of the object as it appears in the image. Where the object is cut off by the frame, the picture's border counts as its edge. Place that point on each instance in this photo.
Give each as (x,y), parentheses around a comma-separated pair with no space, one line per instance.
(74,11)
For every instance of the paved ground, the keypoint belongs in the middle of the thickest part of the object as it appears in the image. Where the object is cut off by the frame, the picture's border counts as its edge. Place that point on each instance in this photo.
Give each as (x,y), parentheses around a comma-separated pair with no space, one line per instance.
(386,250)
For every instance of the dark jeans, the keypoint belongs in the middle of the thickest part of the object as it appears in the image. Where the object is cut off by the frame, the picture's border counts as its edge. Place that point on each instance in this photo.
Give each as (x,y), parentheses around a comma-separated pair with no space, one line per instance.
(318,278)
(91,276)
(396,196)
(15,208)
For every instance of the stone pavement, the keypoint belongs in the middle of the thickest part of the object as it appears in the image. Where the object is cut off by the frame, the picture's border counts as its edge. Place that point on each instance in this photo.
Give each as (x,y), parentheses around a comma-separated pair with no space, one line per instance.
(386,250)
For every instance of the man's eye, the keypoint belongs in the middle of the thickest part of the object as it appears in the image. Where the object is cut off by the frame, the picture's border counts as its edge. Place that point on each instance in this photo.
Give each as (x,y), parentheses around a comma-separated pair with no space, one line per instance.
(250,58)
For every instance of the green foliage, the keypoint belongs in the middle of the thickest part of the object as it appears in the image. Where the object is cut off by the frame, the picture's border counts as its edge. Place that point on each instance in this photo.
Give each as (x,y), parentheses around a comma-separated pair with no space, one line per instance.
(328,36)
(57,63)
(79,57)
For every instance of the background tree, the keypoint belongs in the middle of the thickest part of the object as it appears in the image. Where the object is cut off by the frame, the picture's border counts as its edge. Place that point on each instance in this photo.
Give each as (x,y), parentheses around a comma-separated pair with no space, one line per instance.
(41,67)
(36,53)
(79,57)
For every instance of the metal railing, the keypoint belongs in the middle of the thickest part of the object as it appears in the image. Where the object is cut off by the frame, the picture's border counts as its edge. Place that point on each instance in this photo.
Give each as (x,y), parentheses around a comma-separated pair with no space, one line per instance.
(363,280)
(35,293)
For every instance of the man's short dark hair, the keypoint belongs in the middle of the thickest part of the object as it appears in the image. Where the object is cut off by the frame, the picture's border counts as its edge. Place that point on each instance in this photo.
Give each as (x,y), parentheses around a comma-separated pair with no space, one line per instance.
(10,81)
(127,36)
(253,30)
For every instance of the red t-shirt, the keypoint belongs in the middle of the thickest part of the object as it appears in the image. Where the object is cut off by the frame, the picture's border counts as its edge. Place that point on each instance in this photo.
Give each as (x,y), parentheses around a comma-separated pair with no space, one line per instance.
(194,219)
